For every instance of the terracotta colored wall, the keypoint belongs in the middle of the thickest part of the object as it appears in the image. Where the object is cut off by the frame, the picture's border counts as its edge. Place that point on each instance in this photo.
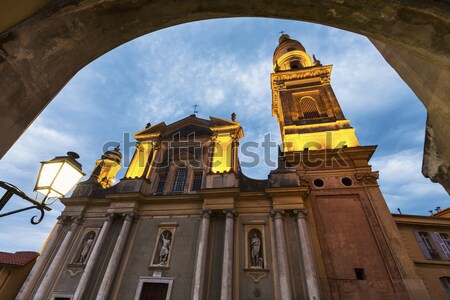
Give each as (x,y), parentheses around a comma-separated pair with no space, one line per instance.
(347,242)
(11,280)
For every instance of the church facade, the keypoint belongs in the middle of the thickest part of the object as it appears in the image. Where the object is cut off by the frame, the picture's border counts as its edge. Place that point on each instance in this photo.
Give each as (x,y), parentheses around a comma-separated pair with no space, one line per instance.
(186,223)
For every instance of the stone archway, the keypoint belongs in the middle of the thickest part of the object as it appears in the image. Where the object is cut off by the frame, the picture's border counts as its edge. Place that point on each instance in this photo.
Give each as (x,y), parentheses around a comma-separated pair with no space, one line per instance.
(40,54)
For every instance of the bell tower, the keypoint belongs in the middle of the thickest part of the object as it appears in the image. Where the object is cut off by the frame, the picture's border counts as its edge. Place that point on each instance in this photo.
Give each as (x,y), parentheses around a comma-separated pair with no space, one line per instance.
(304,103)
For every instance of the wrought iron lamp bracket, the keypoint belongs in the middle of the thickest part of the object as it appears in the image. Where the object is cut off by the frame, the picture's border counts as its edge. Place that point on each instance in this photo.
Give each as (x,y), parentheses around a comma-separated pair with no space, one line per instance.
(11,190)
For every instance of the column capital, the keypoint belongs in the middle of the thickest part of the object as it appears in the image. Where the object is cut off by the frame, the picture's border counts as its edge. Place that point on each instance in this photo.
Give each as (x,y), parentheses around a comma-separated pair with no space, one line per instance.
(214,137)
(277,213)
(206,214)
(156,144)
(110,216)
(229,213)
(301,213)
(65,219)
(129,216)
(78,220)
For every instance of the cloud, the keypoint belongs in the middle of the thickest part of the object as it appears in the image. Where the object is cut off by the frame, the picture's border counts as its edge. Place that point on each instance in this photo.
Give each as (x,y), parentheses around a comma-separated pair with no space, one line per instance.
(40,142)
(403,185)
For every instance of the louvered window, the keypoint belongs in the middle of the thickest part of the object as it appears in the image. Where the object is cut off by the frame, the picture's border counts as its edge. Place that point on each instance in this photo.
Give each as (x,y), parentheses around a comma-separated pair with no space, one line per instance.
(309,108)
(443,244)
(161,183)
(180,179)
(427,247)
(197,182)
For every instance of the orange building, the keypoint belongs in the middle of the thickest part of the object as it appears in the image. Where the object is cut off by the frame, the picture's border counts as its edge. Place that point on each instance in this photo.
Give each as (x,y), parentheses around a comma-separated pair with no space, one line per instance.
(14,269)
(427,241)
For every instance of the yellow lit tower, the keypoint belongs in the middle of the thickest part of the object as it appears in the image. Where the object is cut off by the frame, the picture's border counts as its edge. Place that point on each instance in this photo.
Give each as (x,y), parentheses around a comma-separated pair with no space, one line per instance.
(358,252)
(304,103)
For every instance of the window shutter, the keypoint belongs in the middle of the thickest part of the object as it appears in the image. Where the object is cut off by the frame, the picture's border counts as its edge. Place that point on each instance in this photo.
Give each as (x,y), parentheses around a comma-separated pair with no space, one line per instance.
(443,249)
(309,108)
(445,281)
(422,245)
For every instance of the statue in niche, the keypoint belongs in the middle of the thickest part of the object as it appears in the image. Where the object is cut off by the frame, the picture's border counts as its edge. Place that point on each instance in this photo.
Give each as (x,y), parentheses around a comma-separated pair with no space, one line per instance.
(166,239)
(85,250)
(255,250)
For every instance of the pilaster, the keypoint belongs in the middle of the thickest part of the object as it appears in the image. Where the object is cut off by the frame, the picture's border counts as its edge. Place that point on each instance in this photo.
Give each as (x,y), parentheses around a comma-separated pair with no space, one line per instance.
(284,274)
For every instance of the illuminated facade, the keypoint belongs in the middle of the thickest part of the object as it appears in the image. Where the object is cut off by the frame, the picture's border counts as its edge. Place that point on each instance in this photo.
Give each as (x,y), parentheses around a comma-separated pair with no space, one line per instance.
(186,223)
(304,103)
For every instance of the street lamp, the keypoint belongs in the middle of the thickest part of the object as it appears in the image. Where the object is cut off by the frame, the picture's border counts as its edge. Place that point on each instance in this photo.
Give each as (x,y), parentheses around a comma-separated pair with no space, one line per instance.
(55,179)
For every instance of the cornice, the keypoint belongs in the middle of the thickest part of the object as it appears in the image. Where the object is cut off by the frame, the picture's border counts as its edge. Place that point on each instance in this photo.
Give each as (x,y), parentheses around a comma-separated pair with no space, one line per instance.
(412,220)
(287,190)
(218,192)
(323,72)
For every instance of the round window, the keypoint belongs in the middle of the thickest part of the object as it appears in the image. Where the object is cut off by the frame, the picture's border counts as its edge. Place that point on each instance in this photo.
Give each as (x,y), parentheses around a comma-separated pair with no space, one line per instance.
(346,181)
(319,182)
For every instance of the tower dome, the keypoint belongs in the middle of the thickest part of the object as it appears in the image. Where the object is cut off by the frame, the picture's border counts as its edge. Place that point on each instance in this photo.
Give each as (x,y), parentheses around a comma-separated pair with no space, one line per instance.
(113,155)
(290,55)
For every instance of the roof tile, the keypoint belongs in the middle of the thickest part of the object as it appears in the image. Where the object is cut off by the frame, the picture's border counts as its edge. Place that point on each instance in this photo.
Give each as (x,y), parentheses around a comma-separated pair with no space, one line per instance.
(20,258)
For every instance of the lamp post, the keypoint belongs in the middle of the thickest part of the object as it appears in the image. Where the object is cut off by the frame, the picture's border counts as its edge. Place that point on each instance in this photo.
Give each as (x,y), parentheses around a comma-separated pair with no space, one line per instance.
(55,179)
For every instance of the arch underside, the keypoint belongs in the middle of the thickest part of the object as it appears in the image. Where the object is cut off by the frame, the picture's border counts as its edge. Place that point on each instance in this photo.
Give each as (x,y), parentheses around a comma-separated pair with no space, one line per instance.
(40,54)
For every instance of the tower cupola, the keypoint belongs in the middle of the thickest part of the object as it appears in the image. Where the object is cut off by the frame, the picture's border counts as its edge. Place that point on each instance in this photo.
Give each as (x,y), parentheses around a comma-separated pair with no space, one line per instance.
(304,103)
(107,167)
(290,55)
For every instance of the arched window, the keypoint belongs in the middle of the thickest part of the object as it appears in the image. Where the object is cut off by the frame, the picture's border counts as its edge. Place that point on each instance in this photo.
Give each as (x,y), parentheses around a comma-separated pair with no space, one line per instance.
(295,65)
(309,108)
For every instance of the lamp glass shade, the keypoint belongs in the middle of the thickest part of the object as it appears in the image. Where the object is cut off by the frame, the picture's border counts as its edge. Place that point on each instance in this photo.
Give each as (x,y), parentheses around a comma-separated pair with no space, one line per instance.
(57,177)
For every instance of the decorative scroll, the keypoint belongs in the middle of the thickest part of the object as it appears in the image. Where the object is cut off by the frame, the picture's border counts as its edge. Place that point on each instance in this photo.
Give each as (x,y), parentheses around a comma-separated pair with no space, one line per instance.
(368,178)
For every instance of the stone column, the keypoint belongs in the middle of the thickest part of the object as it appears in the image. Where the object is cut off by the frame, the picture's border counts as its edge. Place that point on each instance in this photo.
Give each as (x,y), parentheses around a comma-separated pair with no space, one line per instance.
(115,258)
(309,261)
(41,262)
(58,260)
(284,273)
(200,264)
(227,264)
(85,277)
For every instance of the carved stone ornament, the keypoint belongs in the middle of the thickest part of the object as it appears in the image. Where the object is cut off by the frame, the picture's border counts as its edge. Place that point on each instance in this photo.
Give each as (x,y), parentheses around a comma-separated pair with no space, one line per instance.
(256,274)
(74,269)
(156,144)
(214,137)
(304,182)
(278,86)
(322,72)
(325,78)
(368,178)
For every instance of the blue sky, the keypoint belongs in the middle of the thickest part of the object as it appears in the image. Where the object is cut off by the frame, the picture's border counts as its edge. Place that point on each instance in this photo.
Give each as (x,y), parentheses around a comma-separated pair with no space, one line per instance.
(224,66)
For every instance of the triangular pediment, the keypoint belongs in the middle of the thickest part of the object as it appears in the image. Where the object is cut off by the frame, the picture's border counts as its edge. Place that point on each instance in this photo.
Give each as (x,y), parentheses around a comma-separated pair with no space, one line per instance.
(188,126)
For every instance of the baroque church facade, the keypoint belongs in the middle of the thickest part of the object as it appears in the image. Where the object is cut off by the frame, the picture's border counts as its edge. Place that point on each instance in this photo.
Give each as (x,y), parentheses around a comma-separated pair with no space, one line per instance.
(186,223)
